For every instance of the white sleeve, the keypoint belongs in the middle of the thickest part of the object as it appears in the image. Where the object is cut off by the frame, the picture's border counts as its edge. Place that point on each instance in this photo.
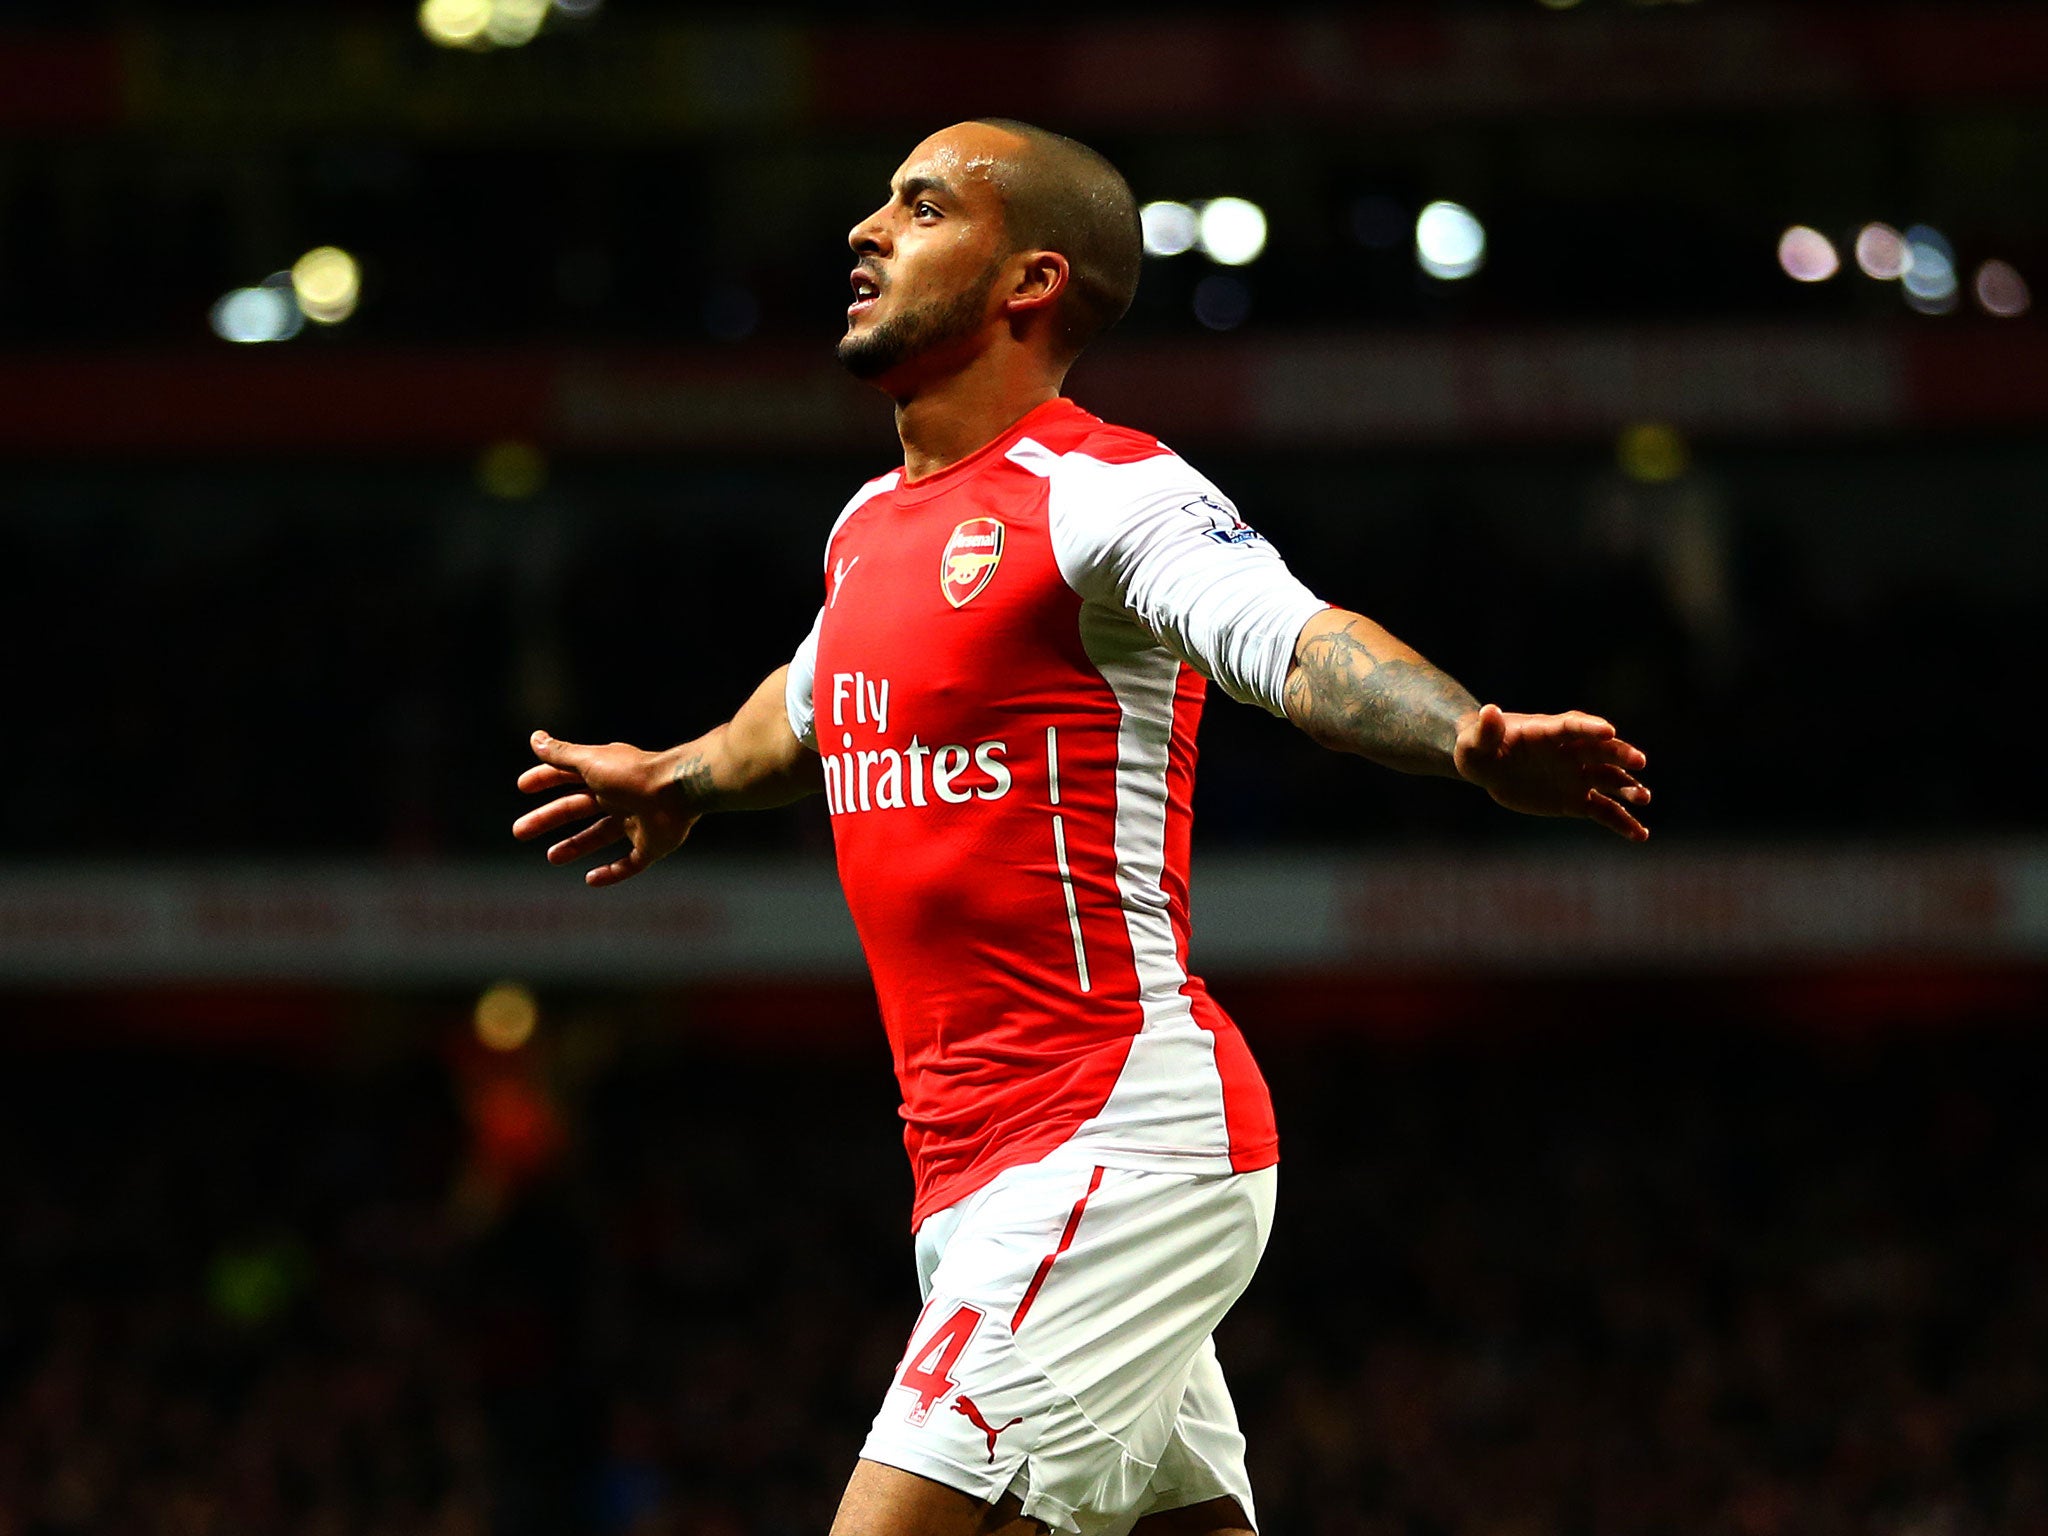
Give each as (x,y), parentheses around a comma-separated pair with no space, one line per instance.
(1158,542)
(800,689)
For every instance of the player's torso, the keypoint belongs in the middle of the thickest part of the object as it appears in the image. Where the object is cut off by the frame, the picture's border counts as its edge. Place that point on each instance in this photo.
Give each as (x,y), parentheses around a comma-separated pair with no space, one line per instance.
(1009,771)
(952,685)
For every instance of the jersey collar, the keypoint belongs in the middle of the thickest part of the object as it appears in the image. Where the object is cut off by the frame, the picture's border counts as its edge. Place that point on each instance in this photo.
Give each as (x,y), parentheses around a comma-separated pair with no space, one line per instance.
(1036,419)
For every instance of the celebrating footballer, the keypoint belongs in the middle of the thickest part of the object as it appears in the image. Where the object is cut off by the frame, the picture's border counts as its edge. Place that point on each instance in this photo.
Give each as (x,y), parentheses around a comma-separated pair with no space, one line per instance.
(998,701)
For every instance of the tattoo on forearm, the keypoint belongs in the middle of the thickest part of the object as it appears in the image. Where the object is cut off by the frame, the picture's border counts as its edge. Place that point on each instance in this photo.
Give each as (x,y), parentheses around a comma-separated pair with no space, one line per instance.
(1399,712)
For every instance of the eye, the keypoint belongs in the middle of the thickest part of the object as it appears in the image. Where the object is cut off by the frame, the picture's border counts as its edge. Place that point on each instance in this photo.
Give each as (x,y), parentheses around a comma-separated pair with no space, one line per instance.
(923,210)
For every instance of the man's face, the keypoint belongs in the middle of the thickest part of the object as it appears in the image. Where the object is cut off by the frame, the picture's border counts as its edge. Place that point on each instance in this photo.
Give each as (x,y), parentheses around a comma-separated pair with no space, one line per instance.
(923,288)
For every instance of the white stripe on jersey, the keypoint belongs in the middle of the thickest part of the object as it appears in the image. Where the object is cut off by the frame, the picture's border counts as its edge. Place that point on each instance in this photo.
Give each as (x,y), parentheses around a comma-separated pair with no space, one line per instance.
(1143,677)
(1170,1079)
(1168,574)
(1059,849)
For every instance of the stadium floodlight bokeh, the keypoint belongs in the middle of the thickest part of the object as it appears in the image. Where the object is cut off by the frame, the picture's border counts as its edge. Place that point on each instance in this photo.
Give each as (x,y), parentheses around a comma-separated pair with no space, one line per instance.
(1450,242)
(327,282)
(1222,302)
(514,22)
(1232,231)
(1929,280)
(506,1016)
(1170,228)
(1807,255)
(2002,291)
(1653,453)
(267,312)
(511,470)
(455,23)
(485,24)
(1881,253)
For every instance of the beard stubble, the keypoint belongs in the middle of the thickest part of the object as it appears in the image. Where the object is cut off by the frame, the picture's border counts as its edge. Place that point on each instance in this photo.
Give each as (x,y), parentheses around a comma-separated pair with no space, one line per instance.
(916,331)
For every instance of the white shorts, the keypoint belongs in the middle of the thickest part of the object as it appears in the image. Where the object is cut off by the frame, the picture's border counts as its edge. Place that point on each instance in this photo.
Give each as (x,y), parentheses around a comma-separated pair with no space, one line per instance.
(1064,1350)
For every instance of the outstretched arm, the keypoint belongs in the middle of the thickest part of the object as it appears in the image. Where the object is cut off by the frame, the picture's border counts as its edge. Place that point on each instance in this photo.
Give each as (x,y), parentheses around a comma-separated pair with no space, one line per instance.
(1355,688)
(651,800)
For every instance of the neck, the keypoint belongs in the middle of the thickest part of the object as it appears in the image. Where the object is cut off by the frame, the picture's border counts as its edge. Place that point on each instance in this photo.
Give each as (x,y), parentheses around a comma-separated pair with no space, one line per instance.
(944,420)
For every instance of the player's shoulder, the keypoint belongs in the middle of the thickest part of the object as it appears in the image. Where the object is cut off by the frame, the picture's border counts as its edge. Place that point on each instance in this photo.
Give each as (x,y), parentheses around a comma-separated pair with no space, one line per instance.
(1078,431)
(1108,443)
(1103,467)
(881,485)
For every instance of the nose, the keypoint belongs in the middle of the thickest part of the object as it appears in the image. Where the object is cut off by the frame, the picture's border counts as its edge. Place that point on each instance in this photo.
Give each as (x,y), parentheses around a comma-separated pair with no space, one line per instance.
(869,236)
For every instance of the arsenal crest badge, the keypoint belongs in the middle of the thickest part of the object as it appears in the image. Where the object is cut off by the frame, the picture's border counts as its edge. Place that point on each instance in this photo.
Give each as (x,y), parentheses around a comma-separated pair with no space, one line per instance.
(968,562)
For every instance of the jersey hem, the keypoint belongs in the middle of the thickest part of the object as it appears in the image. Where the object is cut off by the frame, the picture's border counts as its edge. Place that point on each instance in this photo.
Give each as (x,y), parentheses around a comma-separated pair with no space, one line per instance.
(1263,1153)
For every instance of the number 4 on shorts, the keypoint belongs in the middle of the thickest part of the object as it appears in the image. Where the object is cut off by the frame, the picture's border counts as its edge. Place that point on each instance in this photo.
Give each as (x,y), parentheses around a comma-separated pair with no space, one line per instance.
(928,1369)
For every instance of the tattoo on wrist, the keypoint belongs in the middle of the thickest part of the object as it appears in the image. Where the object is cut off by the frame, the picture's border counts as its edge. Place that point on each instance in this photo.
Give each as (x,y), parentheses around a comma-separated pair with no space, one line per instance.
(693,779)
(1400,712)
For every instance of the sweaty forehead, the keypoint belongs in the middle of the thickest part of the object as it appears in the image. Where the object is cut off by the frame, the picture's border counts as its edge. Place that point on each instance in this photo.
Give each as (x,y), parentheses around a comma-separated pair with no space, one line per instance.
(967,157)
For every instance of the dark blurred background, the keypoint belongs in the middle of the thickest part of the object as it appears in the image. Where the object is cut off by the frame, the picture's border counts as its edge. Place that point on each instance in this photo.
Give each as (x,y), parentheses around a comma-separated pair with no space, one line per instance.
(378,383)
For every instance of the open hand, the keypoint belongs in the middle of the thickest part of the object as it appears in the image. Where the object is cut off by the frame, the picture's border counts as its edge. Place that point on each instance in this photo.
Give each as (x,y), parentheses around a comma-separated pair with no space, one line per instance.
(1555,765)
(625,789)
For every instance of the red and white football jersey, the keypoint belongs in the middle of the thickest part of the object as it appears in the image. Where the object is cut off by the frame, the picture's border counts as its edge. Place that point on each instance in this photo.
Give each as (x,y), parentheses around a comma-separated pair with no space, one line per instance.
(1004,683)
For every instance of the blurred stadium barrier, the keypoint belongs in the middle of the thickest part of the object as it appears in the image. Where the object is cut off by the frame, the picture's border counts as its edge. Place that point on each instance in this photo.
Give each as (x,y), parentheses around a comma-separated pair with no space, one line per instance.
(1286,392)
(716,921)
(682,74)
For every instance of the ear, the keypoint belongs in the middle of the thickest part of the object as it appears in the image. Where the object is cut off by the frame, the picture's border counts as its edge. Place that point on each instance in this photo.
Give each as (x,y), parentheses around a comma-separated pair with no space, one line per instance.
(1041,280)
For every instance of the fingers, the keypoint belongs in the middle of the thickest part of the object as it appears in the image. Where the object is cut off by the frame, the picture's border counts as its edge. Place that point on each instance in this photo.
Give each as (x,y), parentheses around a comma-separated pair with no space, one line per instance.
(561,766)
(1579,735)
(553,816)
(562,754)
(544,776)
(600,833)
(619,869)
(1617,783)
(1612,815)
(1596,746)
(1634,759)
(1574,725)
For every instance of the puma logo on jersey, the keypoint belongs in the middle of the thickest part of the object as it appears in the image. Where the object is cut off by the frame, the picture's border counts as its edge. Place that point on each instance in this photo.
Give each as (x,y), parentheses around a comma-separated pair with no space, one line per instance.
(968,562)
(841,569)
(963,1404)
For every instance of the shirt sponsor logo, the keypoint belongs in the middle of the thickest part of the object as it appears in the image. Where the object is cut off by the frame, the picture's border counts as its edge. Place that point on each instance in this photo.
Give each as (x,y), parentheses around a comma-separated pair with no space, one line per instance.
(887,779)
(968,562)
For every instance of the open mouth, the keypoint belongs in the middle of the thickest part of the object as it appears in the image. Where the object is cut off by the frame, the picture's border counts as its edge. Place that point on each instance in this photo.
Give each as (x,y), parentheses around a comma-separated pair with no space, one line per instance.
(866,290)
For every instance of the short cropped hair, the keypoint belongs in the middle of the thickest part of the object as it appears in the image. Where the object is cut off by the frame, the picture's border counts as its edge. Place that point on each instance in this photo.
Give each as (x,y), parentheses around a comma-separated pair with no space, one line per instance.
(1060,195)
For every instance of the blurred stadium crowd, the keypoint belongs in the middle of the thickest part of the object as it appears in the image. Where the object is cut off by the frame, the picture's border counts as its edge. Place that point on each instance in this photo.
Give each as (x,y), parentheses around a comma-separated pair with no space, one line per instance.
(349,662)
(1630,1282)
(292,600)
(555,459)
